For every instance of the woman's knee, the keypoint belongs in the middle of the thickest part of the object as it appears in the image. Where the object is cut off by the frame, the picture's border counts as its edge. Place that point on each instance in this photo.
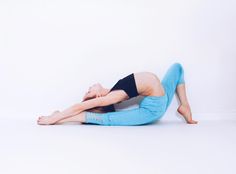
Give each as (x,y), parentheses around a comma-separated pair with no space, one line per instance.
(178,66)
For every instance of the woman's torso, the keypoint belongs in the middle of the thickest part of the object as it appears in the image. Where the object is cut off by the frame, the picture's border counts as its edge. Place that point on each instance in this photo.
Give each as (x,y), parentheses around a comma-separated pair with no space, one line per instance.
(148,84)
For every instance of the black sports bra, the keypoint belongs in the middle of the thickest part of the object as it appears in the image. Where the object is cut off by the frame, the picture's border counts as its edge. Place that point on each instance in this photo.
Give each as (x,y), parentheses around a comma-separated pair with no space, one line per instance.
(128,85)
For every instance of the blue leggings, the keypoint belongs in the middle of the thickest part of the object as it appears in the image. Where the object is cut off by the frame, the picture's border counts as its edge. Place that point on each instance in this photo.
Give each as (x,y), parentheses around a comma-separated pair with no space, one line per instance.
(151,108)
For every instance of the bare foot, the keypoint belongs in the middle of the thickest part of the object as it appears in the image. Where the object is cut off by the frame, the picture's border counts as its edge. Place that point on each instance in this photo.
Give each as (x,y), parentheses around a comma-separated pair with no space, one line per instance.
(185,111)
(49,120)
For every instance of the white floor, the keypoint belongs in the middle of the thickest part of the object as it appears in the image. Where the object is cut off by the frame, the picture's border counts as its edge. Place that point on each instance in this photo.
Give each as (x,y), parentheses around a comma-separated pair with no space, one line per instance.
(164,147)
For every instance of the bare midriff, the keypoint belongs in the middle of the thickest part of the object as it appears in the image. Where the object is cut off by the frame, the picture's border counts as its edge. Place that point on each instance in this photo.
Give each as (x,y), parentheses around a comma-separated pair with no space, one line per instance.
(148,84)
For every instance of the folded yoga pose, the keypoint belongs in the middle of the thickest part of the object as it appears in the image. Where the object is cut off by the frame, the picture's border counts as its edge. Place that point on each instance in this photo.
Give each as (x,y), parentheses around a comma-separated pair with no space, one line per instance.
(97,105)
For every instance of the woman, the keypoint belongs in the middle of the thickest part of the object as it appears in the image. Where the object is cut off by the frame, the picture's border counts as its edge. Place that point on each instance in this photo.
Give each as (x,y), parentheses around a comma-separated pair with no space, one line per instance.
(97,105)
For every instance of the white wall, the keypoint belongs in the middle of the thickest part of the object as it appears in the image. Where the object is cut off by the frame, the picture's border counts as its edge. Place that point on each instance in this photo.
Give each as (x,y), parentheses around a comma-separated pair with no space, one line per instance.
(51,51)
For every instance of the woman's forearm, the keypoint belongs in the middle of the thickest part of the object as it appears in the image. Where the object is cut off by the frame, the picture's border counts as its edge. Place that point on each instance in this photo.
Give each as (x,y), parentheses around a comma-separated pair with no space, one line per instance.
(80,107)
(88,104)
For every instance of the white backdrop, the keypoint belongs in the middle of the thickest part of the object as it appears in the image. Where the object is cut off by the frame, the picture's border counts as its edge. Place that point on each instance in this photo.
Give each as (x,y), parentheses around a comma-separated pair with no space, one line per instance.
(52,51)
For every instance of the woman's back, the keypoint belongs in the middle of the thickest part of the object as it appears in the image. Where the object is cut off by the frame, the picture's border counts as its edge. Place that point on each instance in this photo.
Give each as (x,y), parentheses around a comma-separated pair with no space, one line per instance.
(140,83)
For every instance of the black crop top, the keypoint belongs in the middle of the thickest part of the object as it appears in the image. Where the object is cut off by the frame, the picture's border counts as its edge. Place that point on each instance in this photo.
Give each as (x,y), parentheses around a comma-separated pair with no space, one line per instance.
(128,85)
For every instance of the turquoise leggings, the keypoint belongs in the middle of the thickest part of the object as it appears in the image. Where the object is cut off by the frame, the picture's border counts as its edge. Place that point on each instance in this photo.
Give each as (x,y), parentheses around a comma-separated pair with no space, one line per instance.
(151,108)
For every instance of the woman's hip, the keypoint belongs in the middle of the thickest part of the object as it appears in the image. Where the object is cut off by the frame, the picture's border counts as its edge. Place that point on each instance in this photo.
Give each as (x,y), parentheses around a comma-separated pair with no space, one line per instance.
(155,104)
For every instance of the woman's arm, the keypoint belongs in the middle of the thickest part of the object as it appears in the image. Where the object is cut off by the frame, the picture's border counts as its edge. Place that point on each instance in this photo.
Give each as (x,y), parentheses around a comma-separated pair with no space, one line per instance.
(111,98)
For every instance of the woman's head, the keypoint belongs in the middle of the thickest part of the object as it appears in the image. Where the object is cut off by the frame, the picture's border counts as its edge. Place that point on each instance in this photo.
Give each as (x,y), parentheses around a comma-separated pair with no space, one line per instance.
(94,91)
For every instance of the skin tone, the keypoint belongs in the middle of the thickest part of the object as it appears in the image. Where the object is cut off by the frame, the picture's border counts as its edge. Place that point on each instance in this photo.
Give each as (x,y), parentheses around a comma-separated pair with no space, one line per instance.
(184,108)
(97,96)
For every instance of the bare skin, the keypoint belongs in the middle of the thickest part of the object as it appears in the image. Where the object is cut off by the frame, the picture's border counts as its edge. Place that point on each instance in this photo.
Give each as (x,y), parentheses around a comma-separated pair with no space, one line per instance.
(147,84)
(184,108)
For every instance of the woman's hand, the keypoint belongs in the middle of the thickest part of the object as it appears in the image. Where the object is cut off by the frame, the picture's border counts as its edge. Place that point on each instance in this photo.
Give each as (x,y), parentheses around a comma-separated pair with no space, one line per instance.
(89,95)
(94,91)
